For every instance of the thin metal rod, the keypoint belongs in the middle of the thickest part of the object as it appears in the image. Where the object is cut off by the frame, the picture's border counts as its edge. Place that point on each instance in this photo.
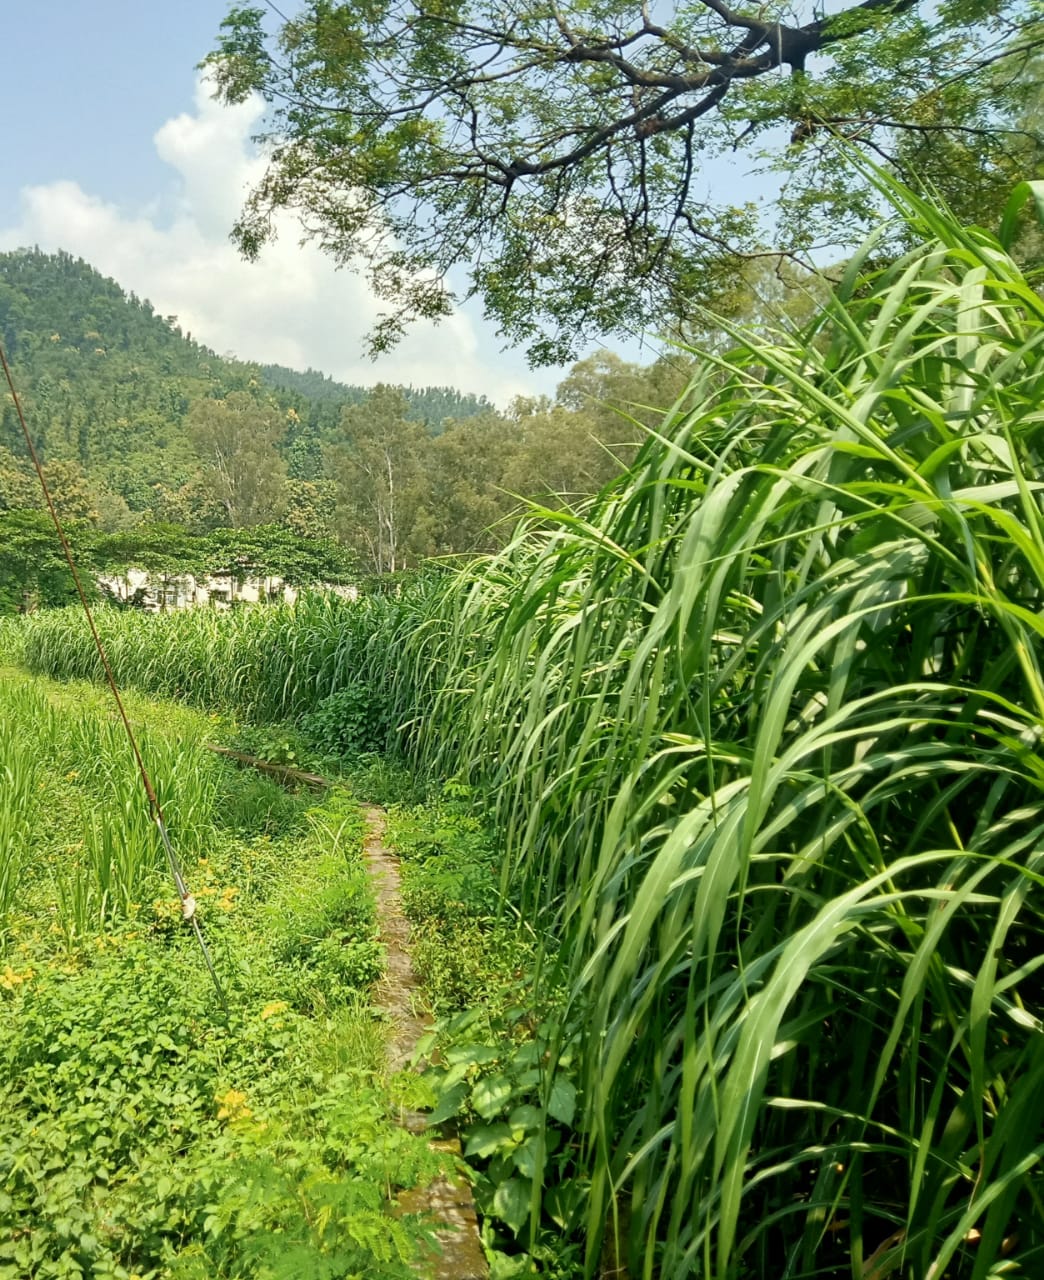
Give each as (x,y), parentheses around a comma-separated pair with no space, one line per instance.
(188,906)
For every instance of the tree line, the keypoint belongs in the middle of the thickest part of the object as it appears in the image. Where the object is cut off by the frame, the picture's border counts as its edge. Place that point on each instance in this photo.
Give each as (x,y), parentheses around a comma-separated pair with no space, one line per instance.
(156,451)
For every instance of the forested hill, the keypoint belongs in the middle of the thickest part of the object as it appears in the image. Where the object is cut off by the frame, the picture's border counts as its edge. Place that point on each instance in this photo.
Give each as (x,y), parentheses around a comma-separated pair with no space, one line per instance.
(54,307)
(431,405)
(142,429)
(109,382)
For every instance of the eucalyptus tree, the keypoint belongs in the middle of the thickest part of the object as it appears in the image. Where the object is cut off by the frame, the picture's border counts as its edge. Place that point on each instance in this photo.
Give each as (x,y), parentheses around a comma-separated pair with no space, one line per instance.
(237,441)
(379,478)
(581,155)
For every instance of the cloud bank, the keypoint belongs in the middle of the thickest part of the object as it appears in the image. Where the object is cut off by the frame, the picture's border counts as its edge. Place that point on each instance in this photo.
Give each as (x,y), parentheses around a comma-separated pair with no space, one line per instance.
(291,308)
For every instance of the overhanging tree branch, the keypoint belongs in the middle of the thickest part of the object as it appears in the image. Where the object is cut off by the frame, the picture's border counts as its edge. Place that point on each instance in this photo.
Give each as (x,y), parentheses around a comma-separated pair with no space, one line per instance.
(522,138)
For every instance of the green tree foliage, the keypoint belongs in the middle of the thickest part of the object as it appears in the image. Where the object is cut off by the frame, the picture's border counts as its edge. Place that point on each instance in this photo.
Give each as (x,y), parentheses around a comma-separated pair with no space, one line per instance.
(379,477)
(309,508)
(19,487)
(161,439)
(611,390)
(162,550)
(237,439)
(560,455)
(274,551)
(468,508)
(973,184)
(432,405)
(33,570)
(560,148)
(70,491)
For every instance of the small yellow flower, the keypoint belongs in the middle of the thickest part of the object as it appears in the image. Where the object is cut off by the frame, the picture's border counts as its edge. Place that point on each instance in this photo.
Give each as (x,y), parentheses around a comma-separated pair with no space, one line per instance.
(233,1106)
(272,1008)
(9,980)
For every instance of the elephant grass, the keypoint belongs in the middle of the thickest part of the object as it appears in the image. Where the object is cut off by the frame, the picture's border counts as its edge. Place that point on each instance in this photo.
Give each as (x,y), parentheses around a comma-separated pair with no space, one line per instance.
(762,727)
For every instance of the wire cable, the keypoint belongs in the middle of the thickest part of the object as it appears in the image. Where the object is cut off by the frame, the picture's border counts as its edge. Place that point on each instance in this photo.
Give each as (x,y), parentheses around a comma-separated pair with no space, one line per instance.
(188,903)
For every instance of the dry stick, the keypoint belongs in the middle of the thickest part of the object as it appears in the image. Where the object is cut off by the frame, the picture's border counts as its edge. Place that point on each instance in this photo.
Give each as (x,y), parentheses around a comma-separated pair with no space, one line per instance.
(188,903)
(284,771)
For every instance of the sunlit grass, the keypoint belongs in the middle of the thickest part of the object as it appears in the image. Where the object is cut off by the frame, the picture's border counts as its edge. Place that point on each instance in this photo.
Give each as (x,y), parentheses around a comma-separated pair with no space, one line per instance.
(761,730)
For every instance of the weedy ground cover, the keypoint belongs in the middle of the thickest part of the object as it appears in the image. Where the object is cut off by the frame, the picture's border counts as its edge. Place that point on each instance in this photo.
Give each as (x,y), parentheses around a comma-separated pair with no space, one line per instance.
(498,1011)
(141,1134)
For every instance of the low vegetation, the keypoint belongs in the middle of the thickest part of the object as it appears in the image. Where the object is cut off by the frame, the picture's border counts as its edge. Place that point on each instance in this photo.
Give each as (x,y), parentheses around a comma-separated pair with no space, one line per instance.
(144,1132)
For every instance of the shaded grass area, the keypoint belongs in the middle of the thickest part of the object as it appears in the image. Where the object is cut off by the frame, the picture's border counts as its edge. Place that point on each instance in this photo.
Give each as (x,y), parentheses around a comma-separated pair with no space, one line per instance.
(487,978)
(141,1134)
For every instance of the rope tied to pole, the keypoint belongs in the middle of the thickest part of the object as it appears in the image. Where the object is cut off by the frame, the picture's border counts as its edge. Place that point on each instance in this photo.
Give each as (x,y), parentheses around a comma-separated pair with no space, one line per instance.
(188,902)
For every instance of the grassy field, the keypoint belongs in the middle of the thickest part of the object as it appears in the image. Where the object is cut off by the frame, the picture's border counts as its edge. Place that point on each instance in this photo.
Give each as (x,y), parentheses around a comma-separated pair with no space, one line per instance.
(143,1134)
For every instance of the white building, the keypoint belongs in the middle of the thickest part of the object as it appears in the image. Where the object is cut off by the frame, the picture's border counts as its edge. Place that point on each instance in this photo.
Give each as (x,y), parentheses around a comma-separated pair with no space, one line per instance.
(183,591)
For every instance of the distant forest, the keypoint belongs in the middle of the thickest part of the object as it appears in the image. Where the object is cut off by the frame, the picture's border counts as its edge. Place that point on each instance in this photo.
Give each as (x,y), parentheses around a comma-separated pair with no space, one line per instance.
(140,427)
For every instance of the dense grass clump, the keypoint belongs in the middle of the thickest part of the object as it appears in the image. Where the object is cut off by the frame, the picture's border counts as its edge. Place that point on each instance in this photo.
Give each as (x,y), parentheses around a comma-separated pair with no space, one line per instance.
(763,731)
(271,662)
(74,826)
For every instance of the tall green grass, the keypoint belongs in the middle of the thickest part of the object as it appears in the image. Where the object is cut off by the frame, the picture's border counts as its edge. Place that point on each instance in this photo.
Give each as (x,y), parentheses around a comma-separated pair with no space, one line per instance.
(75,827)
(19,781)
(761,727)
(266,663)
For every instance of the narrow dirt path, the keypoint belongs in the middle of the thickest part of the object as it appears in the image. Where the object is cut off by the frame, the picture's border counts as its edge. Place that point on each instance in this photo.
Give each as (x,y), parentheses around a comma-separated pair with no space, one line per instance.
(398,995)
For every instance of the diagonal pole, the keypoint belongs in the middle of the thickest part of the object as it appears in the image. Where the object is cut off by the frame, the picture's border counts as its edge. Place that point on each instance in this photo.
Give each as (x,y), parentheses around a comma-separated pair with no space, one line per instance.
(188,903)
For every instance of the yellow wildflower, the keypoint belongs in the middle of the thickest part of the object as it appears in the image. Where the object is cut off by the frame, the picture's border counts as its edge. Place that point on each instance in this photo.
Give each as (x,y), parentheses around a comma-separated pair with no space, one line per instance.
(272,1008)
(232,1106)
(9,980)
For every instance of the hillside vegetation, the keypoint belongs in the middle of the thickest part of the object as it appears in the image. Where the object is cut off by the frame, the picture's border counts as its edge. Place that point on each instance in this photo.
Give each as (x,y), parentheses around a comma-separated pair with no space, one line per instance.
(138,424)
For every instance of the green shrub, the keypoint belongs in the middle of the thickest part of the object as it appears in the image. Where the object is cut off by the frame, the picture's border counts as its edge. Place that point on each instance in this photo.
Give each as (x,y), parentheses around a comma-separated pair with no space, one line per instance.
(353,721)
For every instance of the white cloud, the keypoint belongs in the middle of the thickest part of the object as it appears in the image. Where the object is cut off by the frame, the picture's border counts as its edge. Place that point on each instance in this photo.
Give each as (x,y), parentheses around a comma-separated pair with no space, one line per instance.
(290,308)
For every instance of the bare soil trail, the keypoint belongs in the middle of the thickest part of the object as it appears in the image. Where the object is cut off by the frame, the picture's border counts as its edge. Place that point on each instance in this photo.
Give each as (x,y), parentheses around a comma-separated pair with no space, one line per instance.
(398,995)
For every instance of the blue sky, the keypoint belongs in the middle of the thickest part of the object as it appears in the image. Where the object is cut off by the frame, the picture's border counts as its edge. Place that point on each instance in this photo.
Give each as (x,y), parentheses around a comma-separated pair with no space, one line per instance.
(114,151)
(86,84)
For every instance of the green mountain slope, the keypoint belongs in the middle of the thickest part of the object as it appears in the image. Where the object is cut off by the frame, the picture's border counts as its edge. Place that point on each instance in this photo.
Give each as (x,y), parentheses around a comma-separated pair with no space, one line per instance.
(431,405)
(107,384)
(145,432)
